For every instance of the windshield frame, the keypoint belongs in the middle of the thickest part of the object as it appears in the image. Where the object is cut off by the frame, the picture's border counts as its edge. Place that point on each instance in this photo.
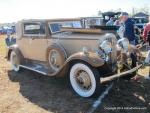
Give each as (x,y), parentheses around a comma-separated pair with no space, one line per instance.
(61,23)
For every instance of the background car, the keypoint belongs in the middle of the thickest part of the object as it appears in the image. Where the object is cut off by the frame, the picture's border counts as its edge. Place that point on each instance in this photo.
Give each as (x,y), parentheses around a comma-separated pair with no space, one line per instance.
(140,22)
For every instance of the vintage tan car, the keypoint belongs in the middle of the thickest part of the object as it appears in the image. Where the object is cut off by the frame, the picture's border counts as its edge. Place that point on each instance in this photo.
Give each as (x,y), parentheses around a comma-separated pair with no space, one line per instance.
(62,47)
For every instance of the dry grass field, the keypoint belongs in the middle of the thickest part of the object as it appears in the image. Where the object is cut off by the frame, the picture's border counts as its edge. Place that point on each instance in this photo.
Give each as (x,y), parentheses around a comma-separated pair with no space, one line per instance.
(29,92)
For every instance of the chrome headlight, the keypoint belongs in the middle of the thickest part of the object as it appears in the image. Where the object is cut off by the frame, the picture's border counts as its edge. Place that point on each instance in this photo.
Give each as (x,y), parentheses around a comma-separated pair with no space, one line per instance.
(123,43)
(106,46)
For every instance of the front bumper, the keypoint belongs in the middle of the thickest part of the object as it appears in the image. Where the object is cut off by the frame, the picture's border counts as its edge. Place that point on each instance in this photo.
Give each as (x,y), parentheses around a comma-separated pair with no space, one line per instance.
(115,76)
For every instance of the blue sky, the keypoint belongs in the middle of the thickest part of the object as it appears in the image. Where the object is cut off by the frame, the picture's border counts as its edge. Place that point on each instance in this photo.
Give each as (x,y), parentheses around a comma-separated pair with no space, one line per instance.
(14,10)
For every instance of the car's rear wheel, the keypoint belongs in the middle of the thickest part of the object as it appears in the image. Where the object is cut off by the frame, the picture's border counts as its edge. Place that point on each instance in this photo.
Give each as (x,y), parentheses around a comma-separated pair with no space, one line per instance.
(84,79)
(14,61)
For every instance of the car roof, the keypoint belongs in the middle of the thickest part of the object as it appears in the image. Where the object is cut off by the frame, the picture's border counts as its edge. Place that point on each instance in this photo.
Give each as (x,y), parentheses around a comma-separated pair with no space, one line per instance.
(52,20)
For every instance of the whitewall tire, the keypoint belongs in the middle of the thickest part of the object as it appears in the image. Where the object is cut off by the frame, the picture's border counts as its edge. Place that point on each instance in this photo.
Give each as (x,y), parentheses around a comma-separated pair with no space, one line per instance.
(14,61)
(84,79)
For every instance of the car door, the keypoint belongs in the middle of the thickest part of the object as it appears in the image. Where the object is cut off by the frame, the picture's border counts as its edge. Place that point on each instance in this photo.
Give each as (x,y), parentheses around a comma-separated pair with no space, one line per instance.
(35,33)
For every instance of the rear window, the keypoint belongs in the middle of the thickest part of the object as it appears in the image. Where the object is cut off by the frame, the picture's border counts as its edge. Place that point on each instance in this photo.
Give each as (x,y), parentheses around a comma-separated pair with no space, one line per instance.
(34,28)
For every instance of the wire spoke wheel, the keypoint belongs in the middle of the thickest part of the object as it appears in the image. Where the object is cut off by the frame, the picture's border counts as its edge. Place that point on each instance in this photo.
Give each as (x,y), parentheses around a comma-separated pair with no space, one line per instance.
(83,79)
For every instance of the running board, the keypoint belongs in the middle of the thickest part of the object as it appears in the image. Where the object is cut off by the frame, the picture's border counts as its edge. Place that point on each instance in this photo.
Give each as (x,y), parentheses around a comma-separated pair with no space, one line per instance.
(36,68)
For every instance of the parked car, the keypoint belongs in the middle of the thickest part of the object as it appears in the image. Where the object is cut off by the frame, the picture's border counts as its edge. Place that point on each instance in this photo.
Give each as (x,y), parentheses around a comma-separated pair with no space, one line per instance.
(140,22)
(7,29)
(90,57)
(1,30)
(107,15)
(88,22)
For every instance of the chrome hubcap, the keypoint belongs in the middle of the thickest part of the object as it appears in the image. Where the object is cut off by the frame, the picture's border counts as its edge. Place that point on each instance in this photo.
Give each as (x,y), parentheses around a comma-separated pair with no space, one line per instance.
(83,80)
(54,60)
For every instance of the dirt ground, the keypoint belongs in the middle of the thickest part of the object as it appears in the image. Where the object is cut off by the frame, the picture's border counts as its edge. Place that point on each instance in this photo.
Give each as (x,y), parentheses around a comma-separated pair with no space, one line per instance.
(29,92)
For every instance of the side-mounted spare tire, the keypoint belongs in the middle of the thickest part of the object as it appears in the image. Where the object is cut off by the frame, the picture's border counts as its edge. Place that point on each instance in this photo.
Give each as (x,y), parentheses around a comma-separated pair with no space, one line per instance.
(56,57)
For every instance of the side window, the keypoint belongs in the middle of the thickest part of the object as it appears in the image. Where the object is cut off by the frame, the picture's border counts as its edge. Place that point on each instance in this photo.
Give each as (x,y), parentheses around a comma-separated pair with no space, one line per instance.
(34,28)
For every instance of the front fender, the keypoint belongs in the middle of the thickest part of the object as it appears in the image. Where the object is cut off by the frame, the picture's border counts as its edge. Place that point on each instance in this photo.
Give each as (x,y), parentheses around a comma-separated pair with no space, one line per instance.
(91,58)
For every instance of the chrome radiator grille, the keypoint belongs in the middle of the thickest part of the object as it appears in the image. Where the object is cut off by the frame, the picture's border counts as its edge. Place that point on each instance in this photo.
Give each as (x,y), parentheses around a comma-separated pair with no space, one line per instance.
(114,50)
(113,41)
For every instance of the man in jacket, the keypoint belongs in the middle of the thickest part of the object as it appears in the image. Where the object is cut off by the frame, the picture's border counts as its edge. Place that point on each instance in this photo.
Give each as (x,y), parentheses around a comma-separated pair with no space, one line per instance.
(146,31)
(146,38)
(129,27)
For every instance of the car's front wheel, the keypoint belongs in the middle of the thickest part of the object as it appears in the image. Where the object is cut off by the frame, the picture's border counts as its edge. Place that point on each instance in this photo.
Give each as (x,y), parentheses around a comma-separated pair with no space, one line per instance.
(14,61)
(84,79)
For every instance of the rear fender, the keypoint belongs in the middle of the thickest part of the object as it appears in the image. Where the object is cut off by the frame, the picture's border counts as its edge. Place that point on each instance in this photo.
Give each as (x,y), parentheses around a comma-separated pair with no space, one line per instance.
(17,51)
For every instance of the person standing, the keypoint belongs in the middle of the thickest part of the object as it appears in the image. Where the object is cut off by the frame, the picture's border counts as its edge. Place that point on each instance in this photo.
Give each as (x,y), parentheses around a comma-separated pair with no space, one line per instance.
(128,27)
(121,30)
(146,38)
(146,31)
(8,40)
(117,23)
(110,22)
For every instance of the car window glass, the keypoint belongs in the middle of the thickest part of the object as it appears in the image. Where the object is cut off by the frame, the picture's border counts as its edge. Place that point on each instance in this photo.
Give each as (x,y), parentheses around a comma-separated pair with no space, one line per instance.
(34,28)
(140,20)
(73,24)
(67,24)
(77,25)
(55,27)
